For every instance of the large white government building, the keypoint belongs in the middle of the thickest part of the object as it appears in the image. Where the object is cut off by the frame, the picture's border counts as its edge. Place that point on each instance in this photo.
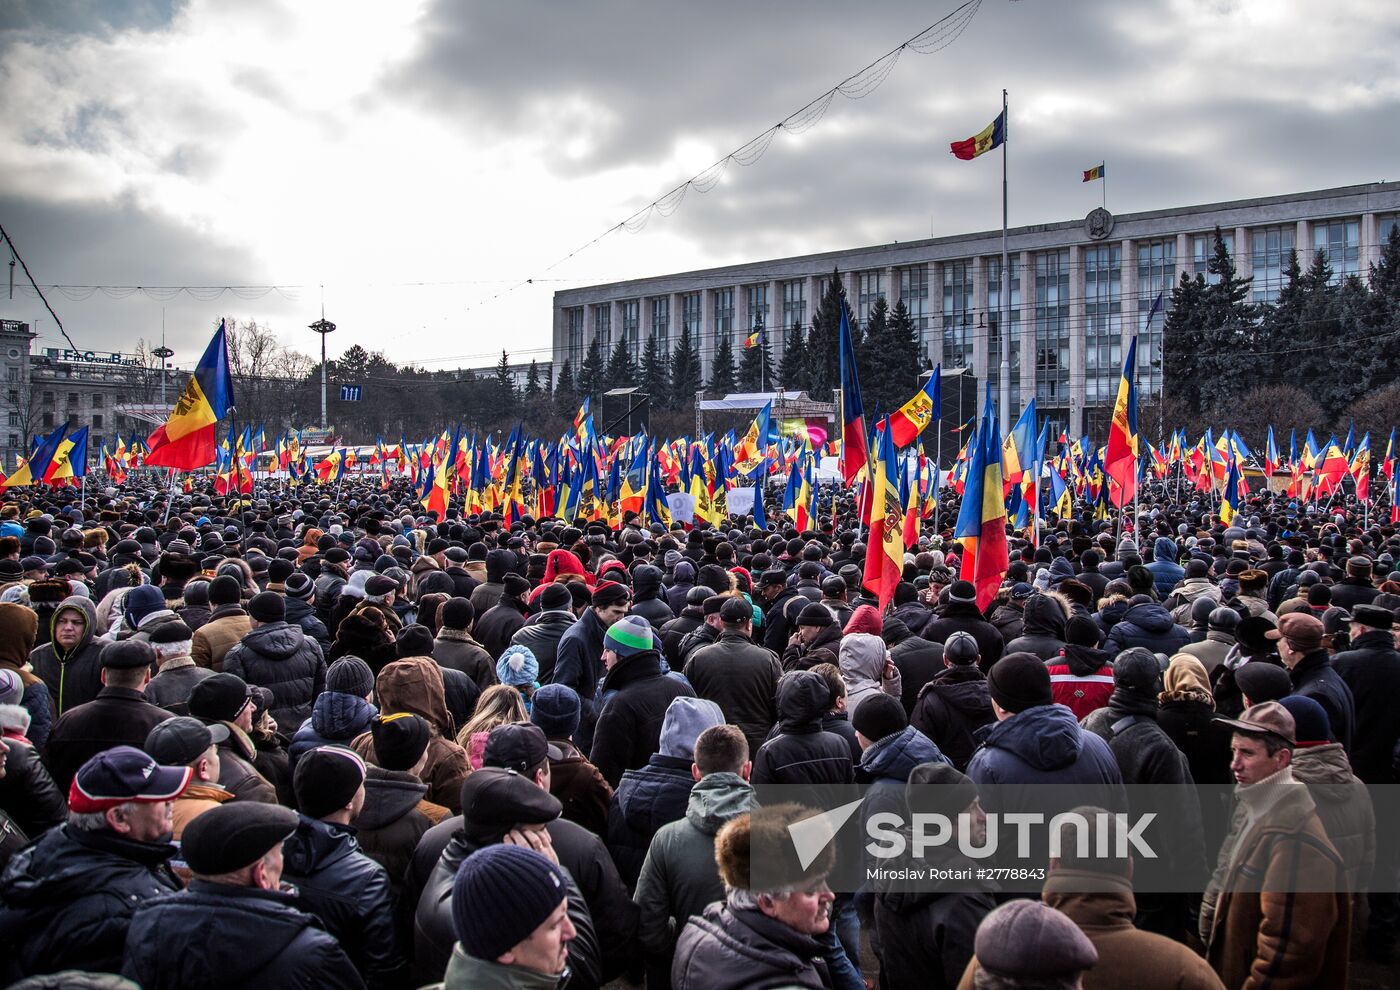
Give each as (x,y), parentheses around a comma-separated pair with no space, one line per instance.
(1079,289)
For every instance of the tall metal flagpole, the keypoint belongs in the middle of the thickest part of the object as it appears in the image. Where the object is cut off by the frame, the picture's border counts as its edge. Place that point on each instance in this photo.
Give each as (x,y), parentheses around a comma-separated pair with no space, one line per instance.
(1004,330)
(938,473)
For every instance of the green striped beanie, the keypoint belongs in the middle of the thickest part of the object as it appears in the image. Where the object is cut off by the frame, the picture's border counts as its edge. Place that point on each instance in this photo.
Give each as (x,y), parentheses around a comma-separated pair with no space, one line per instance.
(628,635)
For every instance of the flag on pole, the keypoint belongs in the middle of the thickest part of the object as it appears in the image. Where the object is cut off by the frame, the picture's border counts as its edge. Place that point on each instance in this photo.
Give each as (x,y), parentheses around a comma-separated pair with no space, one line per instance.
(71,459)
(186,439)
(915,415)
(1230,502)
(884,556)
(1097,172)
(1120,463)
(32,471)
(984,141)
(751,341)
(981,522)
(853,447)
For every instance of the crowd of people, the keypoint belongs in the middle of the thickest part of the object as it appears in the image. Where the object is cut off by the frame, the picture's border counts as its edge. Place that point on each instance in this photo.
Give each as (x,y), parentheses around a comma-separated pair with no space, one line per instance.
(321,739)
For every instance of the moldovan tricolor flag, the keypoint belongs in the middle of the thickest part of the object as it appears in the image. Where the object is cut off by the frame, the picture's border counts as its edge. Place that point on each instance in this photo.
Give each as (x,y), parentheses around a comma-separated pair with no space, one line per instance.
(981,523)
(1121,461)
(914,416)
(884,558)
(990,137)
(186,440)
(853,447)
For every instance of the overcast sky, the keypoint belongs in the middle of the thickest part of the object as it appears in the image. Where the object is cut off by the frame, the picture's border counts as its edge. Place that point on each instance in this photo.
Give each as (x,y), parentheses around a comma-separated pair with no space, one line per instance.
(418,158)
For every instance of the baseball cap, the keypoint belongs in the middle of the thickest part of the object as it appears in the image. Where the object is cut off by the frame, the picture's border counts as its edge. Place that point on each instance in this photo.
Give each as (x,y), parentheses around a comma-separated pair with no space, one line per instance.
(182,740)
(121,774)
(518,746)
(1267,719)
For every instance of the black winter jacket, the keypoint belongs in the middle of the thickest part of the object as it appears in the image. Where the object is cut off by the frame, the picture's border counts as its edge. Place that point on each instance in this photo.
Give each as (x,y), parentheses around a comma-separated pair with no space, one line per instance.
(497,625)
(648,603)
(1147,625)
(646,799)
(917,660)
(302,614)
(1042,629)
(776,628)
(956,617)
(541,634)
(801,752)
(742,678)
(674,632)
(233,937)
(68,899)
(1315,677)
(926,935)
(628,731)
(1371,669)
(951,708)
(27,792)
(350,893)
(280,657)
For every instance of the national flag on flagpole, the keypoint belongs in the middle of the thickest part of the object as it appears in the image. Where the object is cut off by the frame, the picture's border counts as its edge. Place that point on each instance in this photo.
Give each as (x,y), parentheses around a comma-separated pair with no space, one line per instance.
(884,556)
(751,341)
(186,439)
(1120,463)
(981,525)
(984,141)
(915,415)
(853,446)
(32,471)
(1097,172)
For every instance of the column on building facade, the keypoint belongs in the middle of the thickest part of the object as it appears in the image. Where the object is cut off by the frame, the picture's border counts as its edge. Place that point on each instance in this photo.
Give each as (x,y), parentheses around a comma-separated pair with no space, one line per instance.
(935,312)
(891,290)
(1025,266)
(1077,328)
(1183,257)
(776,332)
(589,332)
(1129,322)
(1370,242)
(1303,244)
(707,335)
(980,327)
(1244,253)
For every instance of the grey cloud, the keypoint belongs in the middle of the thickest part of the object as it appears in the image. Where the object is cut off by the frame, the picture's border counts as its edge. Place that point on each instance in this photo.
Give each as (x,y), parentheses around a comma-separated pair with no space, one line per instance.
(62,17)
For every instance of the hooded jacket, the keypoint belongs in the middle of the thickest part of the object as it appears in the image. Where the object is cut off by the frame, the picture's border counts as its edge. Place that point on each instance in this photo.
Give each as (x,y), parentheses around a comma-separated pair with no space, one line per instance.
(682,580)
(392,821)
(742,678)
(74,676)
(18,626)
(647,601)
(863,669)
(951,708)
(951,617)
(350,893)
(826,648)
(1343,806)
(580,788)
(68,899)
(280,657)
(1042,628)
(1081,679)
(541,635)
(1148,625)
(414,685)
(1103,907)
(917,660)
(1045,745)
(679,877)
(233,937)
(1166,572)
(886,767)
(801,752)
(302,614)
(336,720)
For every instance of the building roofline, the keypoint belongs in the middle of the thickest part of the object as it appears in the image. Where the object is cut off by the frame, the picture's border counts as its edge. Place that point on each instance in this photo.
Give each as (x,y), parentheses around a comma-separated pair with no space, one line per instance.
(718,272)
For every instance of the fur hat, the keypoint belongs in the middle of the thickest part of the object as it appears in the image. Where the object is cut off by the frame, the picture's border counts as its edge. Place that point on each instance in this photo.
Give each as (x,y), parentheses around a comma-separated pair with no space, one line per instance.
(761,836)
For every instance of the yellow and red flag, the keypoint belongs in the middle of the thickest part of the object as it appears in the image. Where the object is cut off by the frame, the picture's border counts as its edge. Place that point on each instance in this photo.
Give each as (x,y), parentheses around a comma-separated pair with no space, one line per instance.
(186,439)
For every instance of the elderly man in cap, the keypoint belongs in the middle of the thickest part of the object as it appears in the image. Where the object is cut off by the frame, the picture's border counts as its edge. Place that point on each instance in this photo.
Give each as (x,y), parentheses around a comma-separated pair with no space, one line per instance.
(1027,944)
(337,882)
(68,898)
(1300,644)
(235,926)
(1277,910)
(226,700)
(1371,668)
(119,715)
(188,742)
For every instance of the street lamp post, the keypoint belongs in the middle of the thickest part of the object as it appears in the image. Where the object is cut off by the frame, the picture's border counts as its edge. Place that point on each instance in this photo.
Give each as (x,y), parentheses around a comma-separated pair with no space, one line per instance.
(164,353)
(323,327)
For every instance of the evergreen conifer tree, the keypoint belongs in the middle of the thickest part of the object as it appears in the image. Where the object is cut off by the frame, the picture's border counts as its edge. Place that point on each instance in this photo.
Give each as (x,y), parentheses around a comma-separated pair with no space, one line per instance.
(622,370)
(532,380)
(722,377)
(593,373)
(792,370)
(685,371)
(656,374)
(566,400)
(506,395)
(756,365)
(822,355)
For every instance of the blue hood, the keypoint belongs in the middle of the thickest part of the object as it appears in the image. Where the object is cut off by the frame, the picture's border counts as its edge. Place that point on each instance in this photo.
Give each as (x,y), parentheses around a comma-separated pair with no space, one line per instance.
(1164,549)
(896,756)
(1149,616)
(341,716)
(1047,737)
